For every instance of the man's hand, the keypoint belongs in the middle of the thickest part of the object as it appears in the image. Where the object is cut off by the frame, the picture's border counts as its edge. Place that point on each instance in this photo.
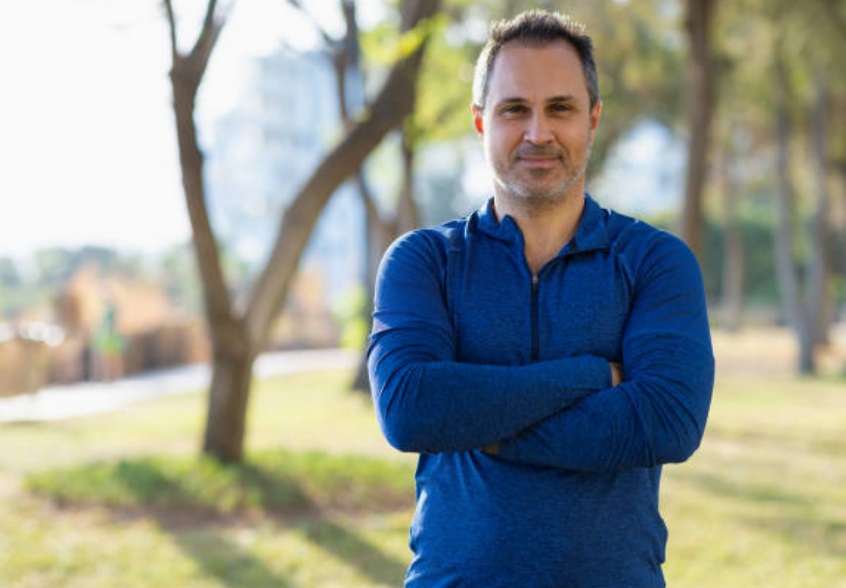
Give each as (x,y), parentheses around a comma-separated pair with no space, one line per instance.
(492,449)
(616,374)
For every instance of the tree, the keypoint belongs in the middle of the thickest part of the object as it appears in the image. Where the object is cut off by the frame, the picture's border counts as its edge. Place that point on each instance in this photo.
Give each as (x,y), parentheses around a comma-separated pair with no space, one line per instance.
(700,100)
(239,335)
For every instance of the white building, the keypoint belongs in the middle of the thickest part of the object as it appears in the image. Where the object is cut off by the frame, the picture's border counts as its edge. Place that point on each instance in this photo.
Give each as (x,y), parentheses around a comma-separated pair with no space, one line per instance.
(265,149)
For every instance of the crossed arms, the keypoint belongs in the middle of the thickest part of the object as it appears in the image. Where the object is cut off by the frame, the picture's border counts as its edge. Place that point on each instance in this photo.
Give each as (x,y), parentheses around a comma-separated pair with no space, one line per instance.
(572,412)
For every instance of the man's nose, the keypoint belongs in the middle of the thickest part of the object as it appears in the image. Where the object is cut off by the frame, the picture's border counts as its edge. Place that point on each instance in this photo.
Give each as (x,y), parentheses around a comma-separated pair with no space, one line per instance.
(538,129)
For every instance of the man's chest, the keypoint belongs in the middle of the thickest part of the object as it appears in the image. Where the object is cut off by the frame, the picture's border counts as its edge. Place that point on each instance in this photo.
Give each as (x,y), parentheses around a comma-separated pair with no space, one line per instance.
(576,305)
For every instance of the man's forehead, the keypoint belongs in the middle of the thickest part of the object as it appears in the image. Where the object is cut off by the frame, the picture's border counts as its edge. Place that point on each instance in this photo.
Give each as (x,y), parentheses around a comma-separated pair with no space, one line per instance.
(551,69)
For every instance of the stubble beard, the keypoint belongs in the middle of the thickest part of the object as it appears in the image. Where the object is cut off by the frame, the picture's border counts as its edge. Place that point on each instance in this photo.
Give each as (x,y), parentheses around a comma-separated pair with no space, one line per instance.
(531,191)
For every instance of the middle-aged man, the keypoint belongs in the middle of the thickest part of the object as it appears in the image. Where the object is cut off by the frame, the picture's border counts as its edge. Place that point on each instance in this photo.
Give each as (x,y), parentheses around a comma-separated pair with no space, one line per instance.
(544,356)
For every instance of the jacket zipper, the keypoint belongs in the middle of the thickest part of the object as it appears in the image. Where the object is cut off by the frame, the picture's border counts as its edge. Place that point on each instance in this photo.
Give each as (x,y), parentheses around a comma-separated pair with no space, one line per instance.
(535,319)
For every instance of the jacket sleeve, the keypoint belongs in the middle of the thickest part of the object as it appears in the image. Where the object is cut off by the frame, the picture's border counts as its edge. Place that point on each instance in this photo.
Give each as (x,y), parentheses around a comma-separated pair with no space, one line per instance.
(658,414)
(428,402)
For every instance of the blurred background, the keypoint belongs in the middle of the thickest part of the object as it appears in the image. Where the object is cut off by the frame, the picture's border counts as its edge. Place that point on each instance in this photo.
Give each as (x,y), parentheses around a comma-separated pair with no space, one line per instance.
(720,123)
(191,183)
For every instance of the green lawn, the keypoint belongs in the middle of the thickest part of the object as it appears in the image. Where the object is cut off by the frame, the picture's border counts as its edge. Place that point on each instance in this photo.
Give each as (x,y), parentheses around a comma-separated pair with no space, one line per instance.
(123,500)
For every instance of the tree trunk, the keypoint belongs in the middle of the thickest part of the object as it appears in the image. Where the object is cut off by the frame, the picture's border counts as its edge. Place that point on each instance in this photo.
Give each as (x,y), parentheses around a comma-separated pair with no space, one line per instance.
(794,310)
(382,233)
(733,262)
(820,268)
(227,413)
(375,227)
(225,424)
(700,106)
(407,213)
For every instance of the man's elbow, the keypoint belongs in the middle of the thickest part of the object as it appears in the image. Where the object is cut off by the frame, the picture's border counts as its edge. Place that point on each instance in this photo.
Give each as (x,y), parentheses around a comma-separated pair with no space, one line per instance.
(682,450)
(402,435)
(683,444)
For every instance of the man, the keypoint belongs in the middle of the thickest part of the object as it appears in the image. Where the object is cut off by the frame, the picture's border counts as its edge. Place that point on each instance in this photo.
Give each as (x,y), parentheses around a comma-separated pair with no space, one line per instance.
(544,356)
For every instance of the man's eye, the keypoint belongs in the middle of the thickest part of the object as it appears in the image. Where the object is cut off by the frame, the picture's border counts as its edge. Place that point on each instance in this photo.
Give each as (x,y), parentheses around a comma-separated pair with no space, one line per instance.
(514,109)
(561,108)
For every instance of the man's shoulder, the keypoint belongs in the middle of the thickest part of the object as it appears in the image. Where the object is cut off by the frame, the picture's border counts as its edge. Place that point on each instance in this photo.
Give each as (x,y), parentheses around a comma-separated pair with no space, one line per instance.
(436,237)
(428,245)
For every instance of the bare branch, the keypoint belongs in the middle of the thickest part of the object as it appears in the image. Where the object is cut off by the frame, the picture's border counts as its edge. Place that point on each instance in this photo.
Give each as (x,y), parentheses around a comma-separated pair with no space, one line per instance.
(210,33)
(171,21)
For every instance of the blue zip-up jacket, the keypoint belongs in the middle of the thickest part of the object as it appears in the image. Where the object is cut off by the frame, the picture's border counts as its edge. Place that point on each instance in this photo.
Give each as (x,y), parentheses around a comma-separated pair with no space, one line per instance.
(469,349)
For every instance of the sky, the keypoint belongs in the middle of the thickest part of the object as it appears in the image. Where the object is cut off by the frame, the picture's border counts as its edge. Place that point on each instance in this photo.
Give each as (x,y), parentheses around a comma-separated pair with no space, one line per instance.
(87,140)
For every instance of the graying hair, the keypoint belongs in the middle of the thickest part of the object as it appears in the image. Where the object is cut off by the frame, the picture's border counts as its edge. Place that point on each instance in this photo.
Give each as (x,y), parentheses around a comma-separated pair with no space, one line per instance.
(535,28)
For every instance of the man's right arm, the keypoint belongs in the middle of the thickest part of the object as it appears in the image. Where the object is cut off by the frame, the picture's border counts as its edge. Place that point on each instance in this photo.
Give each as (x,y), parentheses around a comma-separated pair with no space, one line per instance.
(428,402)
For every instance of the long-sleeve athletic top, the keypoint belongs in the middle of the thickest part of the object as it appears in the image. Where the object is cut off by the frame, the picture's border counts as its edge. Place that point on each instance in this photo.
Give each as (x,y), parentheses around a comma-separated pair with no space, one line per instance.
(469,349)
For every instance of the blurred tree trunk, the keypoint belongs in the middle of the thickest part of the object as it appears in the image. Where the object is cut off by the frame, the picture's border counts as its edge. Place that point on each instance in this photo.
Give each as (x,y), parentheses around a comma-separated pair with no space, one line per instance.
(383,231)
(820,266)
(700,107)
(792,303)
(733,263)
(238,338)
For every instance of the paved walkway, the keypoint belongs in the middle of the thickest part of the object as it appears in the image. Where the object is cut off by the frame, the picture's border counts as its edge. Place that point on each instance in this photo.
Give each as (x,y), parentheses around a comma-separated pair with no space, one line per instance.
(88,398)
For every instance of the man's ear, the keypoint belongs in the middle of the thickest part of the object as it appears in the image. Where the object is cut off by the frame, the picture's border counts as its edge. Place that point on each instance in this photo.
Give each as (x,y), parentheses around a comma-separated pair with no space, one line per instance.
(595,115)
(478,121)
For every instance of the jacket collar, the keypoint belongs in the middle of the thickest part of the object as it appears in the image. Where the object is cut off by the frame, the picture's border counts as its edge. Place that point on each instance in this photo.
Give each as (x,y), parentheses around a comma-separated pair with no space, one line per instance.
(592,233)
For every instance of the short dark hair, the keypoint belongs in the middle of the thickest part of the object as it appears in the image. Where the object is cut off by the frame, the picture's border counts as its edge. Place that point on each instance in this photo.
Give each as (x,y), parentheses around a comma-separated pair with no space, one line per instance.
(535,27)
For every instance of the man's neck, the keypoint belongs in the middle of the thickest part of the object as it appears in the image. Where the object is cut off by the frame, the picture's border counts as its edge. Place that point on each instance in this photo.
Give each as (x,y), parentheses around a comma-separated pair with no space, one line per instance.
(546,225)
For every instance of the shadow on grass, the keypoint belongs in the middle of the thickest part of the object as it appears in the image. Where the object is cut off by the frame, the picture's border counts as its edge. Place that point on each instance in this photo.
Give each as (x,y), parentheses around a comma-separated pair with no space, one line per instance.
(192,526)
(820,536)
(755,493)
(199,501)
(814,532)
(349,546)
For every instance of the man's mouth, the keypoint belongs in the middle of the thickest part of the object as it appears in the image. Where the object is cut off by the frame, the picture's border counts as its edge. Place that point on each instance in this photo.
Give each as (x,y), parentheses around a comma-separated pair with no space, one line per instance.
(538,157)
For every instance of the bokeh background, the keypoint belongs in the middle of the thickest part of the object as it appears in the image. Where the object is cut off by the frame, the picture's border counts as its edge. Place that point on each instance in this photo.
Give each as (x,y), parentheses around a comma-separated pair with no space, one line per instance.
(193,188)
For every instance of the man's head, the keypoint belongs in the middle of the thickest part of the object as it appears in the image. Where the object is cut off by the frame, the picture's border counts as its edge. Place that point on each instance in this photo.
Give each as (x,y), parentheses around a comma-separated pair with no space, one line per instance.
(536,108)
(535,28)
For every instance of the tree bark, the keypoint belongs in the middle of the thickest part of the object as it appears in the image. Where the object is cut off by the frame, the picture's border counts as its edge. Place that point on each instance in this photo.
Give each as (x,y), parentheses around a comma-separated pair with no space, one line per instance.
(700,106)
(382,232)
(792,304)
(232,355)
(733,262)
(820,266)
(228,395)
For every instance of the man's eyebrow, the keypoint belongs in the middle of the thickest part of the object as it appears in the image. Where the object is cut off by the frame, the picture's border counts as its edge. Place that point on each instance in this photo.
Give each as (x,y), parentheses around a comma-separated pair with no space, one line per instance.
(552,100)
(563,98)
(512,100)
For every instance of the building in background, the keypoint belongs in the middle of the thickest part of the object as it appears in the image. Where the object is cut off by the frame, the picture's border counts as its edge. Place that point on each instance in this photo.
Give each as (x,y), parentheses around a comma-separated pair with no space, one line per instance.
(260,154)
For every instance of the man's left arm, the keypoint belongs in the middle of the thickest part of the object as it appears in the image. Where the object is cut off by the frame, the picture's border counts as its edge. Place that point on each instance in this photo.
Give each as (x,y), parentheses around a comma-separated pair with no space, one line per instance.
(658,413)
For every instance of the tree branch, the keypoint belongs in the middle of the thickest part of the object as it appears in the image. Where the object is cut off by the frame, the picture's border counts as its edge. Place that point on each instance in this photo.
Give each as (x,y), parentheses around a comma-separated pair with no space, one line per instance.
(171,21)
(389,108)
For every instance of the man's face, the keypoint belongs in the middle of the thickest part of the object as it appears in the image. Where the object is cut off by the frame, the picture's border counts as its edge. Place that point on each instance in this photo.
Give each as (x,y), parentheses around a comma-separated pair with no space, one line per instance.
(537,125)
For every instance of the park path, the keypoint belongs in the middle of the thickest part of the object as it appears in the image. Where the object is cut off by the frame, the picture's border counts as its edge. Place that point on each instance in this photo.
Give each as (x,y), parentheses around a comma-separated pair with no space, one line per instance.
(88,398)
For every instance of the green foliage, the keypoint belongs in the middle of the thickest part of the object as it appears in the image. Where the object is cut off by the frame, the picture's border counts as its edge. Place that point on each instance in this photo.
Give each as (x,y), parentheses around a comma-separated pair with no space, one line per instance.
(350,313)
(759,278)
(56,265)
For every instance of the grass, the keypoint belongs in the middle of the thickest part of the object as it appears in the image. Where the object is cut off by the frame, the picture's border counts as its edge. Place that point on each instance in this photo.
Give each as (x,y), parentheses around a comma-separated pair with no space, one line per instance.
(123,499)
